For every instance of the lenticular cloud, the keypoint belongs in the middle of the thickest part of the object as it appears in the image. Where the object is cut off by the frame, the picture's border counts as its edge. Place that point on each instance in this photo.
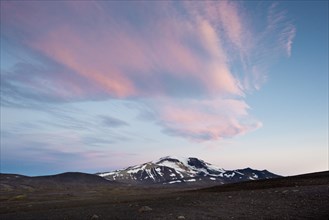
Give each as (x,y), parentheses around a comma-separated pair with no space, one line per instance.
(194,62)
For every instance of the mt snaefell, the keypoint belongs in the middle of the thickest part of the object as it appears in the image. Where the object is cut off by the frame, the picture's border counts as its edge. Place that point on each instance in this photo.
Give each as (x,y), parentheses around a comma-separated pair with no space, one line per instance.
(183,170)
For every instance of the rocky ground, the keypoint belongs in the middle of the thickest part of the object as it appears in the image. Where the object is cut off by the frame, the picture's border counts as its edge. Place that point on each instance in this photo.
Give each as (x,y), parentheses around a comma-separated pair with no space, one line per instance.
(301,197)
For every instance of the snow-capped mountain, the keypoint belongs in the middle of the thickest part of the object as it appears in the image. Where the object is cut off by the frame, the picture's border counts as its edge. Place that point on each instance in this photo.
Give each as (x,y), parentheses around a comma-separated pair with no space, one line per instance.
(169,170)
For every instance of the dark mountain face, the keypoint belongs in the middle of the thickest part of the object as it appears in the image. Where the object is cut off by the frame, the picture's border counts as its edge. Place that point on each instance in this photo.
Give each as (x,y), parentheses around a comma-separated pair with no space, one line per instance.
(195,162)
(72,177)
(173,170)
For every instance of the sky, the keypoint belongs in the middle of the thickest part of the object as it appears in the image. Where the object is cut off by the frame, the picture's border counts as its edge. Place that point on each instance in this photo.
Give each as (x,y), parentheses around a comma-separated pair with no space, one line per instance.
(94,86)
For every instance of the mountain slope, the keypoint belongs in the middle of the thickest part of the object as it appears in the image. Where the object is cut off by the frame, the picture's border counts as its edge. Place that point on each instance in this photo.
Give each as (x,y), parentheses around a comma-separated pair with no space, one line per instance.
(170,170)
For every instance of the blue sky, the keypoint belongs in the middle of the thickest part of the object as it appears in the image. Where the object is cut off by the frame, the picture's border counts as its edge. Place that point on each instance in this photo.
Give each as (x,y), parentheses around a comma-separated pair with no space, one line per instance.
(96,86)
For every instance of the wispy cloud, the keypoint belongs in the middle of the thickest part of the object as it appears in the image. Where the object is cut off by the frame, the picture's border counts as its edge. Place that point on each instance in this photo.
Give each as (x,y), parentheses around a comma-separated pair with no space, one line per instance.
(280,27)
(288,37)
(113,122)
(202,58)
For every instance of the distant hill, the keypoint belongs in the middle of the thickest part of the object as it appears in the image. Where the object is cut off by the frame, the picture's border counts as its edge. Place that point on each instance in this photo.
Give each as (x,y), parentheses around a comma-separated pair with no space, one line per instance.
(9,182)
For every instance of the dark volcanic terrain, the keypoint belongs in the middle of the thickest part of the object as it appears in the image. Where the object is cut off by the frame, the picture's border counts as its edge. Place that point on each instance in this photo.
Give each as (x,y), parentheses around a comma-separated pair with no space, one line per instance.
(85,196)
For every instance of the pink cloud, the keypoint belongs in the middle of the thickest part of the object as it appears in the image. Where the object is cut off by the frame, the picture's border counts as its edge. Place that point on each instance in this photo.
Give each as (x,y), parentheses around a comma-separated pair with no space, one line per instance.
(112,55)
(208,56)
(202,120)
(85,58)
(220,77)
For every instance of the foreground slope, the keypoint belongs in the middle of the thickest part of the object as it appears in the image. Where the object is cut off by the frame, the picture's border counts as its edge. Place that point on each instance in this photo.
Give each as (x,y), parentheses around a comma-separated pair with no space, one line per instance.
(298,197)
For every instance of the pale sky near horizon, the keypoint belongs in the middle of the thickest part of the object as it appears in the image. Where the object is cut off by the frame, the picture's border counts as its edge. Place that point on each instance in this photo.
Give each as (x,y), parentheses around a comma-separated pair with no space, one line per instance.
(94,86)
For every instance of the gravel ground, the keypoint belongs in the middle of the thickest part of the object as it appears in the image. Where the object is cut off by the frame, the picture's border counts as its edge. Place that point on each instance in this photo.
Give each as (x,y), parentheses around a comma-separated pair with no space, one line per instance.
(306,198)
